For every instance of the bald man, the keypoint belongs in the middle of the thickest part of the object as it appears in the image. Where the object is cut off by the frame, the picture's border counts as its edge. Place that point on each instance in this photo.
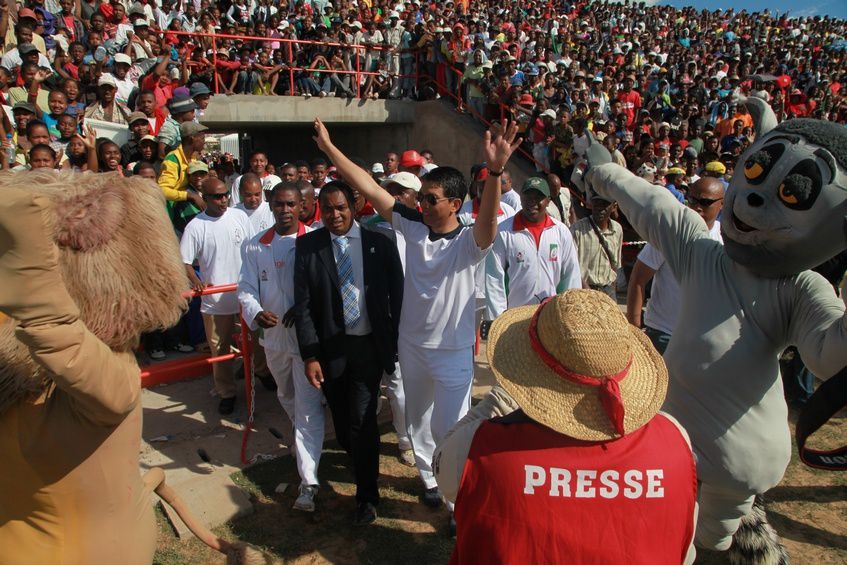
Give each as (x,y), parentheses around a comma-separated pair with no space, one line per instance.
(706,198)
(213,239)
(310,213)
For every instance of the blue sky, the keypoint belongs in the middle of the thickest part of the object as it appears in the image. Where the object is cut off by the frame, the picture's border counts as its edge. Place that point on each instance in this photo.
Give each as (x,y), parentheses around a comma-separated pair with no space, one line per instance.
(832,8)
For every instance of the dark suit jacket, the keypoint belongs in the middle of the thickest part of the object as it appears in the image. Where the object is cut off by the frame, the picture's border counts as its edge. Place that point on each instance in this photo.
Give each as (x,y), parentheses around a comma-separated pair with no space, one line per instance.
(318,309)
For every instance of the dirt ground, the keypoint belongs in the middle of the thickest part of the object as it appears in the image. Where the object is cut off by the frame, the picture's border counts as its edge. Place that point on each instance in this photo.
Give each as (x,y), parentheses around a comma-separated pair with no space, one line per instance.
(808,509)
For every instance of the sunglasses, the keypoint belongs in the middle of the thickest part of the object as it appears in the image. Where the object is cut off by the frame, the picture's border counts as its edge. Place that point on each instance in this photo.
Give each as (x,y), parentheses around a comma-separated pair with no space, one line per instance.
(703,202)
(430,199)
(218,196)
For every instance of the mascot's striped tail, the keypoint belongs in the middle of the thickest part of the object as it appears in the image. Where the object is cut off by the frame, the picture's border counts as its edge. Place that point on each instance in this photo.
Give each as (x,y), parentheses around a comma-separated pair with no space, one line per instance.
(756,542)
(237,553)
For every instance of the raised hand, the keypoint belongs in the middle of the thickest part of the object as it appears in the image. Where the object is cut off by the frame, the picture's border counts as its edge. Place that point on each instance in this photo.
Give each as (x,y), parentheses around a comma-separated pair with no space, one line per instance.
(321,136)
(499,144)
(90,137)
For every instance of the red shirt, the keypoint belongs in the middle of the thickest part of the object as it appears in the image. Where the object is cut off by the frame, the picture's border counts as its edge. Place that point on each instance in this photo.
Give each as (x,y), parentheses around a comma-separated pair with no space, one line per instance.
(531,495)
(535,228)
(631,102)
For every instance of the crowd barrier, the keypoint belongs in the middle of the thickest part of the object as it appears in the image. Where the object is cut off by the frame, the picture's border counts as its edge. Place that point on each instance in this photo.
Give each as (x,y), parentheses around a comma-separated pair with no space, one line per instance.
(194,366)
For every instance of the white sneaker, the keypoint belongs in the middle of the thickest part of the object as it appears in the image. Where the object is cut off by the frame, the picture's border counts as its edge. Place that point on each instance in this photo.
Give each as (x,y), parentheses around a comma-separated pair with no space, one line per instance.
(306,500)
(157,354)
(407,457)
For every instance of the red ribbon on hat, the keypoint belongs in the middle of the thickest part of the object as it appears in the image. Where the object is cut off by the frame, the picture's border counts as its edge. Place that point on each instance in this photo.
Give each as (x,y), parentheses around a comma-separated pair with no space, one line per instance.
(610,390)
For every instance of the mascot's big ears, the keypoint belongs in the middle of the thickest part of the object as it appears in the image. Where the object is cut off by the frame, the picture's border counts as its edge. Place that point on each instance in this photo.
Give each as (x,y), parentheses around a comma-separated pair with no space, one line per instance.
(764,120)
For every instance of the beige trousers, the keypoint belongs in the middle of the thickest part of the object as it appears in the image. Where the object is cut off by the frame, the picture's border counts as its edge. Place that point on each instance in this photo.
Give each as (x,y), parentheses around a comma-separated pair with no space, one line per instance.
(219,331)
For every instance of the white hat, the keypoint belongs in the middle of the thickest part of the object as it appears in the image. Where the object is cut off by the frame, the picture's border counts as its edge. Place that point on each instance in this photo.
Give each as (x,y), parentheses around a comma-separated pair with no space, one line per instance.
(393,14)
(549,113)
(356,24)
(283,25)
(123,58)
(107,80)
(404,179)
(377,168)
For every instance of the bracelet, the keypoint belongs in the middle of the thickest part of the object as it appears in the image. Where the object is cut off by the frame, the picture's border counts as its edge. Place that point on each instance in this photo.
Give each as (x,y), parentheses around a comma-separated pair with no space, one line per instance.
(493,173)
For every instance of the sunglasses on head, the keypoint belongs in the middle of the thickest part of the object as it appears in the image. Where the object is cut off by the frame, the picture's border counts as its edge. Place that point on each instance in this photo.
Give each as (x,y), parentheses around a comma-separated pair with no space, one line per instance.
(430,199)
(216,196)
(704,202)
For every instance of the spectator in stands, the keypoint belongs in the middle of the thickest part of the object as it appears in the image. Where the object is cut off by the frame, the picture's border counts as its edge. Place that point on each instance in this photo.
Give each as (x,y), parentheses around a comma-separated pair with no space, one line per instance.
(599,239)
(181,111)
(138,127)
(173,180)
(106,108)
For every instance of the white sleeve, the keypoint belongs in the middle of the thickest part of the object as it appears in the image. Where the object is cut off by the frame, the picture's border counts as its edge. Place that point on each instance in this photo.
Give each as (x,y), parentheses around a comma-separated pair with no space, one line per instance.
(651,257)
(469,248)
(189,244)
(495,279)
(248,284)
(571,273)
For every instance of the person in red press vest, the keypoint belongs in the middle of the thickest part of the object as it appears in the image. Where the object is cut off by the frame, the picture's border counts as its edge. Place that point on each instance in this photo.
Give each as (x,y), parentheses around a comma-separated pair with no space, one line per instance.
(568,459)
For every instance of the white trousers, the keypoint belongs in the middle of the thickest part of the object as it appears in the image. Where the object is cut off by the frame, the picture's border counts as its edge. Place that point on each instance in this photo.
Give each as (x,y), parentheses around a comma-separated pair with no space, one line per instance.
(302,403)
(397,400)
(721,511)
(437,383)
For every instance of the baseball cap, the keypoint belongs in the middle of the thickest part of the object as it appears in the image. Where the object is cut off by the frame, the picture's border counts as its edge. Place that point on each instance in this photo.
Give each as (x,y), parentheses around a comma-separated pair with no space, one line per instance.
(675,171)
(137,117)
(26,106)
(187,129)
(411,158)
(404,179)
(197,167)
(26,48)
(549,113)
(716,167)
(26,13)
(107,80)
(536,183)
(148,138)
(122,58)
(377,168)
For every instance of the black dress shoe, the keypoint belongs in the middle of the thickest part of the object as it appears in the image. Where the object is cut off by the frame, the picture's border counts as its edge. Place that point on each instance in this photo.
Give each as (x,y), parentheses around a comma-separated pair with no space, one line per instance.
(226,406)
(365,514)
(432,497)
(451,526)
(267,381)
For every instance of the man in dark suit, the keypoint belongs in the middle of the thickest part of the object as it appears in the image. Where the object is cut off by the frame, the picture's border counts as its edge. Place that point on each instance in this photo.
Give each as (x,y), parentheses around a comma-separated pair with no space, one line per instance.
(348,288)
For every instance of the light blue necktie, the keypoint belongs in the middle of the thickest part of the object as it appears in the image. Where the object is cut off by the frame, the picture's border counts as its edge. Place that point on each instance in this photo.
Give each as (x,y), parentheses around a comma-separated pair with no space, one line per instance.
(344,264)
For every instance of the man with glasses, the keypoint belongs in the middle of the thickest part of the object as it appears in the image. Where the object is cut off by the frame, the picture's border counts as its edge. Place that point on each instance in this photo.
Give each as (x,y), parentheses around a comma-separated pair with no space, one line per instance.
(437,334)
(706,198)
(214,239)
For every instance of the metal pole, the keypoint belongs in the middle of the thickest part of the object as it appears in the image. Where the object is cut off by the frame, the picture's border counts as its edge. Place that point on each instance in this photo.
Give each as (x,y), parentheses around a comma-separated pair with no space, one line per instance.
(358,76)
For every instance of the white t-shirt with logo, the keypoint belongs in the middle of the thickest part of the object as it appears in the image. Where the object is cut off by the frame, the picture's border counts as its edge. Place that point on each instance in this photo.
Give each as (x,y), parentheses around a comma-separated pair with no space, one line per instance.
(663,306)
(261,217)
(438,290)
(216,244)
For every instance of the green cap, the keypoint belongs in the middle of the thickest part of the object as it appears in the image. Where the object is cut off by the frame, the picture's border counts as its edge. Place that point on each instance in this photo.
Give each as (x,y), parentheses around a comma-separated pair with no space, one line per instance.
(536,183)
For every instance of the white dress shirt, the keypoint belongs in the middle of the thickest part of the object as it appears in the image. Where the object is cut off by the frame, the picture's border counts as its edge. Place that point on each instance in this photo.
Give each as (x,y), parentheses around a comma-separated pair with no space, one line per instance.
(354,249)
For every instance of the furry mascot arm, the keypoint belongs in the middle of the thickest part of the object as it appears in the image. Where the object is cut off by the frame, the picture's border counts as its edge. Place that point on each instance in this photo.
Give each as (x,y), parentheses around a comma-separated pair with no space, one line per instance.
(448,461)
(818,326)
(34,295)
(652,210)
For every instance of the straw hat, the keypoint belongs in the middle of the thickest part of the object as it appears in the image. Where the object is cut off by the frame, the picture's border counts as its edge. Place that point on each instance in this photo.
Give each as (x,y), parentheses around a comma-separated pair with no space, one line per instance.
(583,351)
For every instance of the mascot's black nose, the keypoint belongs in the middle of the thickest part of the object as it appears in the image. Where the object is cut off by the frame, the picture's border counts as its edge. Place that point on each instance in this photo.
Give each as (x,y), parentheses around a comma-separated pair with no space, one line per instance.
(755,200)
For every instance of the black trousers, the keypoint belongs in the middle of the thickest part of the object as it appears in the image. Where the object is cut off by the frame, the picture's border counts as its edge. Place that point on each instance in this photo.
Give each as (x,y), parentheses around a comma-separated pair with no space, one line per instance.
(352,398)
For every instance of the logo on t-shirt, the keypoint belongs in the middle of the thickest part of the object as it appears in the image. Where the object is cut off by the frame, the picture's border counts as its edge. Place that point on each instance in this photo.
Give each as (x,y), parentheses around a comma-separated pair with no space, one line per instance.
(519,257)
(237,236)
(554,252)
(264,276)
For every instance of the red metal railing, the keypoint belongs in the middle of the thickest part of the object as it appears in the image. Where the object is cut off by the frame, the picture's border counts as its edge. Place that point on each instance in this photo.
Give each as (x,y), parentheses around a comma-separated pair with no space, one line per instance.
(197,365)
(289,43)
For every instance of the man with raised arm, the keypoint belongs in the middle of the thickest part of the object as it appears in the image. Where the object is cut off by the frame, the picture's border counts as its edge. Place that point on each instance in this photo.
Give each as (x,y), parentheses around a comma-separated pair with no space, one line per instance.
(436,341)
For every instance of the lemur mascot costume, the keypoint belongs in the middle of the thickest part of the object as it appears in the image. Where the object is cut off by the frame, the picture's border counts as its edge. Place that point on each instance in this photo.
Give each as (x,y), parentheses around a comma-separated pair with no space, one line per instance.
(785,211)
(87,263)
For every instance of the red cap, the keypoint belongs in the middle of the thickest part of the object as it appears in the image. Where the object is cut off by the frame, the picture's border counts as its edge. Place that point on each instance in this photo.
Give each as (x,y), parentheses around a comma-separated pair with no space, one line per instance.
(411,158)
(481,174)
(26,13)
(526,99)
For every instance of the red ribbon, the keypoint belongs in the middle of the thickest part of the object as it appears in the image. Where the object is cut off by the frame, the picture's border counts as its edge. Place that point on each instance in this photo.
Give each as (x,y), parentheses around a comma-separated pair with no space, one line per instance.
(610,390)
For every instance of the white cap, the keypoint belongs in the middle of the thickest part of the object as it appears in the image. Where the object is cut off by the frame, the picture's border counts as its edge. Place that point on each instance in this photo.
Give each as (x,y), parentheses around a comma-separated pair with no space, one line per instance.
(356,24)
(107,80)
(377,168)
(404,179)
(549,113)
(283,25)
(123,58)
(394,14)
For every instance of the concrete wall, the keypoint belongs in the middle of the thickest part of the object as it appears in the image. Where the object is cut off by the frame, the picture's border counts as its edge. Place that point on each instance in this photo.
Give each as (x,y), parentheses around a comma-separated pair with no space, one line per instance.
(282,127)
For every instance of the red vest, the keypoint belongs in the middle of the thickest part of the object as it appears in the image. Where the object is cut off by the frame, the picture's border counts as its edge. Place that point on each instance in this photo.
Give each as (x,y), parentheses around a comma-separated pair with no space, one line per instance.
(531,495)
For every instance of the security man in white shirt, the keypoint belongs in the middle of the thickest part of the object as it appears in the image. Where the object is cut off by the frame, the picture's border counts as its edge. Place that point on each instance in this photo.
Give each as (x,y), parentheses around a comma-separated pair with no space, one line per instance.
(533,252)
(437,332)
(266,293)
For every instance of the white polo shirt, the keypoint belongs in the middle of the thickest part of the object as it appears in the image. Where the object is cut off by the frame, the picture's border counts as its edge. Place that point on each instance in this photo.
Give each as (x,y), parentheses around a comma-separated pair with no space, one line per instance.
(519,272)
(216,244)
(261,217)
(438,290)
(663,306)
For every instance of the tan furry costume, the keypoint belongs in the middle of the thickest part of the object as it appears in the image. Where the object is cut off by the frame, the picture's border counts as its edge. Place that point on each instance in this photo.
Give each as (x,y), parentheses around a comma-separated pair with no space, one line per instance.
(87,263)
